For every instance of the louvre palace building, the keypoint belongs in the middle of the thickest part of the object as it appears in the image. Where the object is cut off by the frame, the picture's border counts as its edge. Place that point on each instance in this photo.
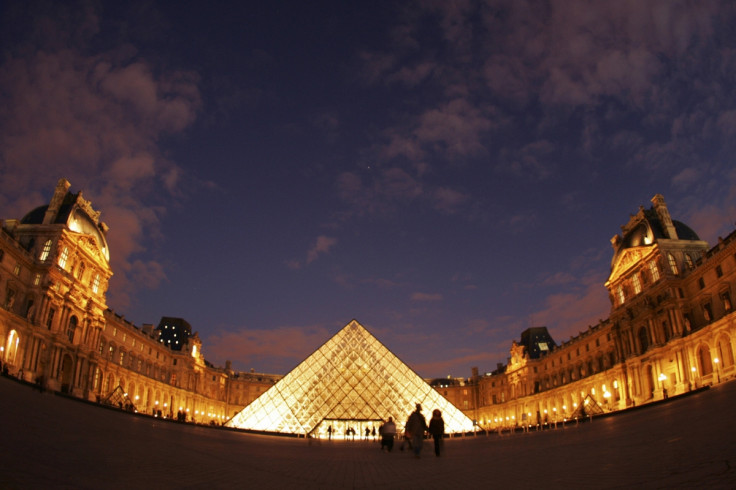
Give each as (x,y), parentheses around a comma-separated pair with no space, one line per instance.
(670,330)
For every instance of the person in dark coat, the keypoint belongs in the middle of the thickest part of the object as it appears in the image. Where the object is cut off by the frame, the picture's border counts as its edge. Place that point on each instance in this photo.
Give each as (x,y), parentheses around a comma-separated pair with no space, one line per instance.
(437,429)
(417,426)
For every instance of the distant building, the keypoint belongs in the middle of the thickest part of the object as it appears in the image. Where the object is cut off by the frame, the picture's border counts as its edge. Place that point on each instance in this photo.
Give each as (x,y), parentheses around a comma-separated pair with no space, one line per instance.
(671,329)
(174,332)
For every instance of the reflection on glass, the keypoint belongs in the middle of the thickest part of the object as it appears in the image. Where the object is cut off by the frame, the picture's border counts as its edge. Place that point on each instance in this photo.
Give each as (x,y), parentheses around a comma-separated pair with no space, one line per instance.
(352,381)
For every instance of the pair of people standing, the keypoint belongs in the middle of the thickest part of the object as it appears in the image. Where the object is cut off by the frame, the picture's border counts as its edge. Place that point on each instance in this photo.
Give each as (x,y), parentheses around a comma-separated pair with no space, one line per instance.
(416,426)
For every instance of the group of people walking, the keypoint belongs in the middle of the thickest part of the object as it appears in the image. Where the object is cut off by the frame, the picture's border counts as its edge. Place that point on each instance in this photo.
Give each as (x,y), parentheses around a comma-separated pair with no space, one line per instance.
(414,429)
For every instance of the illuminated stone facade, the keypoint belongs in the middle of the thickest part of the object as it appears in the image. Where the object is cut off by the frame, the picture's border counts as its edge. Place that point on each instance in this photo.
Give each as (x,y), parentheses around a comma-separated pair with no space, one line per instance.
(351,382)
(57,331)
(671,329)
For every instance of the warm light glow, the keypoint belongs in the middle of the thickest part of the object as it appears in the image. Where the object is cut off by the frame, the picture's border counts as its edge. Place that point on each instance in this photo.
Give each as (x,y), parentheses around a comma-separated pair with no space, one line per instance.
(715,360)
(351,377)
(662,376)
(692,369)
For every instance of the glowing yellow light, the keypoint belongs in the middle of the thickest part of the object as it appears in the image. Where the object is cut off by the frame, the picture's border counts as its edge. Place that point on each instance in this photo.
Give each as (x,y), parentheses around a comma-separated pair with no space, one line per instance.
(388,385)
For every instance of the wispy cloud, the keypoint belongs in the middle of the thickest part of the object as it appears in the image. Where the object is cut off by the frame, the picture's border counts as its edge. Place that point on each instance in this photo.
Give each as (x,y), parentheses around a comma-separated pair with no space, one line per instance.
(283,347)
(431,297)
(322,245)
(95,118)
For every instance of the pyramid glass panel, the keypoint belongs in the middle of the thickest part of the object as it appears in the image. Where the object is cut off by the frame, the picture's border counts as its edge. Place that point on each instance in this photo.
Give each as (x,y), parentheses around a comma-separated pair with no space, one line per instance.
(352,379)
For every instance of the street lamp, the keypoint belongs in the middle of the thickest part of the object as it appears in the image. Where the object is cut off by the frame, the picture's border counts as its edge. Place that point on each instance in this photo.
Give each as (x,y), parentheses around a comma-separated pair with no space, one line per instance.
(718,371)
(662,379)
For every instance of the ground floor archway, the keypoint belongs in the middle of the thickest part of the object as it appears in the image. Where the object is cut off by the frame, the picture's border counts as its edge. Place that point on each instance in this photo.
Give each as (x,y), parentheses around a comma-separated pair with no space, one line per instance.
(347,429)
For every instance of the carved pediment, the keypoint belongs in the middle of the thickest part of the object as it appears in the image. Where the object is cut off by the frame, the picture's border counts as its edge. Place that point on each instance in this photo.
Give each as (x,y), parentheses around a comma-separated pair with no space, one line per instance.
(90,245)
(628,259)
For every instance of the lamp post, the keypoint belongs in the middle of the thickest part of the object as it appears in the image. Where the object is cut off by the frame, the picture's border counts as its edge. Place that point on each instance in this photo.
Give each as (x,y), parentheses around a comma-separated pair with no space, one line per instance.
(662,379)
(718,371)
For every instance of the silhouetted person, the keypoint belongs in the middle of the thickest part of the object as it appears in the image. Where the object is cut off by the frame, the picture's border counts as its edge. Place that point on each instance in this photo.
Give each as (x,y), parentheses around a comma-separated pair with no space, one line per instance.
(388,432)
(417,425)
(437,429)
(329,433)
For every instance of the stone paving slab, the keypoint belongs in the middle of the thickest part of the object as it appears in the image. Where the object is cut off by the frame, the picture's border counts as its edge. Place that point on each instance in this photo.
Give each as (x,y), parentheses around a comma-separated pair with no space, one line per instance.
(49,441)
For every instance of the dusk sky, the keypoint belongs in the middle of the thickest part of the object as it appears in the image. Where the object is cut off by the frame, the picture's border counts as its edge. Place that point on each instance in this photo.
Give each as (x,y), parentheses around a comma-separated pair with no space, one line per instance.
(448,173)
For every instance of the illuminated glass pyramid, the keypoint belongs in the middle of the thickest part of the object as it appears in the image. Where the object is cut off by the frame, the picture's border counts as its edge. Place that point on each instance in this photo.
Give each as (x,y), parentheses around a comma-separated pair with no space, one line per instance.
(352,380)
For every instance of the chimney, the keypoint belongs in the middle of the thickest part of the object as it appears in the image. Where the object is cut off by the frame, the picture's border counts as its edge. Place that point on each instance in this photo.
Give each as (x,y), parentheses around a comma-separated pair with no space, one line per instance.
(664,217)
(59,193)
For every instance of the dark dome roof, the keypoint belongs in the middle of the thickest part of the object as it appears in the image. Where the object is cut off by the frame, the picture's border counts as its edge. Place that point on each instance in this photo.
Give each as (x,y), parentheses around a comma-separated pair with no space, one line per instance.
(75,218)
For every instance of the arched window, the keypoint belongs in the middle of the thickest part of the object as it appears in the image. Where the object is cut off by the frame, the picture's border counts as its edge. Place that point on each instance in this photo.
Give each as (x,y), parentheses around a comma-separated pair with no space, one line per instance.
(637,283)
(689,262)
(704,362)
(64,257)
(673,264)
(654,270)
(45,251)
(71,328)
(11,347)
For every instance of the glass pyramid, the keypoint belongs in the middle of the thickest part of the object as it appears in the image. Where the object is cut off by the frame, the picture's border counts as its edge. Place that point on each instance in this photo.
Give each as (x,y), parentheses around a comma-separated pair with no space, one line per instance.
(351,381)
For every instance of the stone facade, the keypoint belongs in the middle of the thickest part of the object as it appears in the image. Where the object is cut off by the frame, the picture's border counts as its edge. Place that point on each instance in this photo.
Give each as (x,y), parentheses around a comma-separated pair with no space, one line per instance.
(57,331)
(671,329)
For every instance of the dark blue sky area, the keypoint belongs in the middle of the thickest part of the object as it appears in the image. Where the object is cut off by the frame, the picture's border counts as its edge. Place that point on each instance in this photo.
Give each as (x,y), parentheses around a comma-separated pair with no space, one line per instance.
(447,173)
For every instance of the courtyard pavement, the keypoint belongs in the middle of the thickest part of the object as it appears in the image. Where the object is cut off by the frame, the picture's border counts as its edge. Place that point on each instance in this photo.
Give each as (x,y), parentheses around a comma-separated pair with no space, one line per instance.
(50,441)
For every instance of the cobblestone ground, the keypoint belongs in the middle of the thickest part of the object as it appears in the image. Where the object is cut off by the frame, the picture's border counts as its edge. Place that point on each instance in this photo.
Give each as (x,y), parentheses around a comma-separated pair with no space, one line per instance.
(49,441)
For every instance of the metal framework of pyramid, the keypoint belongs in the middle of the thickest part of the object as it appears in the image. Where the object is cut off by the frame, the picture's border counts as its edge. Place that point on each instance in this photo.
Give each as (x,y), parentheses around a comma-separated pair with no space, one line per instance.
(351,378)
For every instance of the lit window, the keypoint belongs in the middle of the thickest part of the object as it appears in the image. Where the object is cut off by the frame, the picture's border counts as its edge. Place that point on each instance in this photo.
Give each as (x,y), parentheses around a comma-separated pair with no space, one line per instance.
(689,262)
(64,258)
(637,283)
(80,270)
(45,252)
(620,294)
(654,270)
(673,264)
(16,270)
(96,284)
(37,279)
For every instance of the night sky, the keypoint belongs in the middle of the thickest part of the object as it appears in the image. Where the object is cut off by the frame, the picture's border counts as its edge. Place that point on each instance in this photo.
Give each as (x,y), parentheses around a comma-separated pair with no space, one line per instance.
(447,173)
